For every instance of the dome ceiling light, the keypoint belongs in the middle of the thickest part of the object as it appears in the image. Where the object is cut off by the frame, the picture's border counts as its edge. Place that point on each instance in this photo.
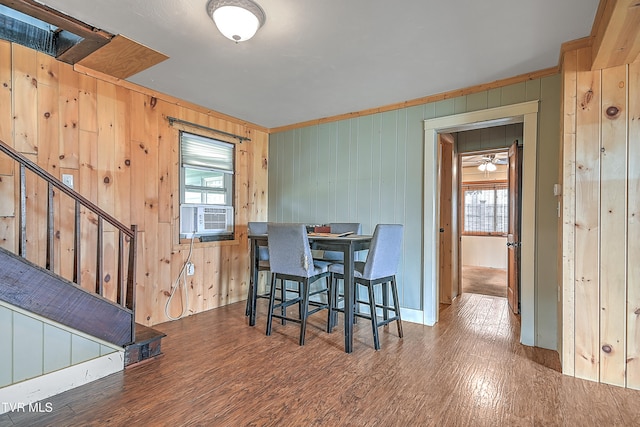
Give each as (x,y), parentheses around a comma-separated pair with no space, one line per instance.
(237,20)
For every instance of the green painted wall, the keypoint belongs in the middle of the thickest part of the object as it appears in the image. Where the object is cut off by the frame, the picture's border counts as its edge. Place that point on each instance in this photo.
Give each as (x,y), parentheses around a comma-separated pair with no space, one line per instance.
(31,347)
(370,170)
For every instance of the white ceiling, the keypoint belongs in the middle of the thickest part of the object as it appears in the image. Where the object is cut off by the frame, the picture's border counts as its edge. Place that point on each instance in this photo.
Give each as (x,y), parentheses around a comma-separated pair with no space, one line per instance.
(320,58)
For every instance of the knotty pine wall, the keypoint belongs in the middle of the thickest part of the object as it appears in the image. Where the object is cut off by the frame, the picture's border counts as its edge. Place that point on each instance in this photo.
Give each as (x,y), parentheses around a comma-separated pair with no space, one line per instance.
(600,227)
(114,139)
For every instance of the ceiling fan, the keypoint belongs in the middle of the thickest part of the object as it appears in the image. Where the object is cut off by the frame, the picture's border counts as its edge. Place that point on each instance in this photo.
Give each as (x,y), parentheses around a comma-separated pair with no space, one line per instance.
(488,162)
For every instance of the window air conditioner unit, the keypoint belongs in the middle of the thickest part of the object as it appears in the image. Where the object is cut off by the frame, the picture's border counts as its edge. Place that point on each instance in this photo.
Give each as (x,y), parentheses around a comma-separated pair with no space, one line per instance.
(205,219)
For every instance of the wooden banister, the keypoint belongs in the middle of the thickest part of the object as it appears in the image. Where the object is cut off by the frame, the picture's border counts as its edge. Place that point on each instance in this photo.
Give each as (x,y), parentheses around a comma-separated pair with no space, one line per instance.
(125,287)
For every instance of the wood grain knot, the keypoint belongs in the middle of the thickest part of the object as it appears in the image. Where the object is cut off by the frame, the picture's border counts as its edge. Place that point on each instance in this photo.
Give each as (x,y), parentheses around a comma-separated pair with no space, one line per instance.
(61,157)
(607,348)
(127,162)
(153,102)
(612,112)
(107,278)
(637,312)
(106,180)
(47,115)
(588,96)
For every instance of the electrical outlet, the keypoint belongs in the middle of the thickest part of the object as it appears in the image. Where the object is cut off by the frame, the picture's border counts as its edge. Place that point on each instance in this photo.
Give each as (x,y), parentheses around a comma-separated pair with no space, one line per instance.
(191,269)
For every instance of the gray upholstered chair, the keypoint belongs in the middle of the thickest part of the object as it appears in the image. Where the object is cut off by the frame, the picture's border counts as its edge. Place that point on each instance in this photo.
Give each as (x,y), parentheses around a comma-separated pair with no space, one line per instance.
(257,227)
(379,268)
(290,260)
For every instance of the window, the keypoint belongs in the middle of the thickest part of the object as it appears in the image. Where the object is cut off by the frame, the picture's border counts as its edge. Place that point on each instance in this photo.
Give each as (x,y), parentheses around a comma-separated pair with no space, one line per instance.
(206,187)
(486,208)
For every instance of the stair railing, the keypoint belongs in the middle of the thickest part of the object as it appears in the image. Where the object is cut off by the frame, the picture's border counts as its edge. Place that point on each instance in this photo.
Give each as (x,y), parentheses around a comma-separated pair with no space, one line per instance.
(126,294)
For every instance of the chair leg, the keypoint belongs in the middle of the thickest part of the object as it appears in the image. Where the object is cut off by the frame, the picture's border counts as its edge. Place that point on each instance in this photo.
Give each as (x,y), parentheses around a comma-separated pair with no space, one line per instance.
(249,298)
(330,302)
(396,304)
(283,295)
(304,288)
(272,298)
(374,318)
(385,300)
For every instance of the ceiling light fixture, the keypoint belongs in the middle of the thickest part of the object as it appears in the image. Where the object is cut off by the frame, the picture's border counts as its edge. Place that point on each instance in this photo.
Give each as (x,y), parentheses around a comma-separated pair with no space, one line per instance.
(237,20)
(487,164)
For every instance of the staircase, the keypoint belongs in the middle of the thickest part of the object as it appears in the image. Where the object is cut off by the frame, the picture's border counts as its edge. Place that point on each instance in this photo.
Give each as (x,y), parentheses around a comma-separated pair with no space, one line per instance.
(104,309)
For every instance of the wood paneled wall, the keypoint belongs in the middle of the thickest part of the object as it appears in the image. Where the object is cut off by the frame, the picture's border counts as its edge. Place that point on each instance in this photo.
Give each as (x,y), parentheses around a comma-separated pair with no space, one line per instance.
(114,139)
(601,221)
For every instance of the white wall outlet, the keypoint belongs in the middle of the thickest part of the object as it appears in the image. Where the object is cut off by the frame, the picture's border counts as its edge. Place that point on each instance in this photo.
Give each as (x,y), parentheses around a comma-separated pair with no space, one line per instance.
(191,269)
(67,179)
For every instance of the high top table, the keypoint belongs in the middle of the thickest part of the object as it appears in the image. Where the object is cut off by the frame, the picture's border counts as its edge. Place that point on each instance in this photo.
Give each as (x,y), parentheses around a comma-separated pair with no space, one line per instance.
(348,245)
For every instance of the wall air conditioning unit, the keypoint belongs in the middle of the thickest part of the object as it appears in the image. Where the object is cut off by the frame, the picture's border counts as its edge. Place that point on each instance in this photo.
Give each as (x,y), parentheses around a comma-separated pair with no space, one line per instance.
(205,219)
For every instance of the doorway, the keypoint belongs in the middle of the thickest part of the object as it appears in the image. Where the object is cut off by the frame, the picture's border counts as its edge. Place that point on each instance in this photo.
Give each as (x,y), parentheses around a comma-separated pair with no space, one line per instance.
(526,113)
(484,222)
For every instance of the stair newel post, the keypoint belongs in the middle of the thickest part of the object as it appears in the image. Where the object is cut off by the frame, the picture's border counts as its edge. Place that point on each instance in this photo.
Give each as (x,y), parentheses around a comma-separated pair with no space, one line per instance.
(50,228)
(22,240)
(131,280)
(76,245)
(100,256)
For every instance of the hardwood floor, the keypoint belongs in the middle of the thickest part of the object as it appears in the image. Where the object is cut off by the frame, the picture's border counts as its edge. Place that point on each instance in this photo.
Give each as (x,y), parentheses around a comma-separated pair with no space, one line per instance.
(469,369)
(484,280)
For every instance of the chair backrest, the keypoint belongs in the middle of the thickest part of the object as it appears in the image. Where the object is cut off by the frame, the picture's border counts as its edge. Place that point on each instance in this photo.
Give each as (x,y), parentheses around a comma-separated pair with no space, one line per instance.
(385,251)
(341,227)
(259,228)
(289,250)
(345,227)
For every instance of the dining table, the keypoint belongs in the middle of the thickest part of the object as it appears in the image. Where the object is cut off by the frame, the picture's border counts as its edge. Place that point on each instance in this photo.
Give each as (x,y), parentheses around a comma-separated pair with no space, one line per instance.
(349,245)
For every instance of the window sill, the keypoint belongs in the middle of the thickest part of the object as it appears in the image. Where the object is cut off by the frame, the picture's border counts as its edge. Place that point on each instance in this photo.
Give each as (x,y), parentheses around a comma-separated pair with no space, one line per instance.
(182,242)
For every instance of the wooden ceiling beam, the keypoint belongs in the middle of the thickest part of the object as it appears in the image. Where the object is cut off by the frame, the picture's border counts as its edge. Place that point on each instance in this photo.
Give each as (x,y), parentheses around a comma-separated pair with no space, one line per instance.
(616,34)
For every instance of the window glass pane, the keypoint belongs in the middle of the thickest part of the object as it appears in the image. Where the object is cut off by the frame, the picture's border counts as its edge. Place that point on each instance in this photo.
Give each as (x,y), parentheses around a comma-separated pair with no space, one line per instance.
(203,178)
(192,197)
(215,199)
(486,210)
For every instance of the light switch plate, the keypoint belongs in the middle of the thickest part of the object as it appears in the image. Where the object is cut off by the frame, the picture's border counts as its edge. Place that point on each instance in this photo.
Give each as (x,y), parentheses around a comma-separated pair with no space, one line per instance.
(67,179)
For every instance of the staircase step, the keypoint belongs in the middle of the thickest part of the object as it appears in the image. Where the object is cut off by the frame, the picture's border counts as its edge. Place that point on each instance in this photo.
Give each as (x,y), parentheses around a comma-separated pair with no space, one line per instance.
(146,348)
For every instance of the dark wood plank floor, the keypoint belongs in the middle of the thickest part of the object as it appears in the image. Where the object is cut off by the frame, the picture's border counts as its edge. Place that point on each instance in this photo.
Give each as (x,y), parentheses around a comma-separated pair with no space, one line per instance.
(467,370)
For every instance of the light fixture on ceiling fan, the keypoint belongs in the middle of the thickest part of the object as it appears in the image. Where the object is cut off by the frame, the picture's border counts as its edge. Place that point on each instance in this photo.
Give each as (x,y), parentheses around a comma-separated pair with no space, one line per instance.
(487,164)
(237,20)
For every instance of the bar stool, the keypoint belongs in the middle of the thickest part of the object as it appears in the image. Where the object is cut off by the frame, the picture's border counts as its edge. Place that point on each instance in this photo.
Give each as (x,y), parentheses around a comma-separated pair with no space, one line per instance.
(290,259)
(255,228)
(379,269)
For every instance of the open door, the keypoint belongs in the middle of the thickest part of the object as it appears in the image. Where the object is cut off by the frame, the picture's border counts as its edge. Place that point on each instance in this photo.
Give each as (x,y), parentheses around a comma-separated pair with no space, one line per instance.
(448,236)
(513,236)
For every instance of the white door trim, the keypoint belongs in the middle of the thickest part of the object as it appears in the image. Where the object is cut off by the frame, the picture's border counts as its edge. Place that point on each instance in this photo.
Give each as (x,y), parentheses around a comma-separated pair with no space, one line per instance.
(526,113)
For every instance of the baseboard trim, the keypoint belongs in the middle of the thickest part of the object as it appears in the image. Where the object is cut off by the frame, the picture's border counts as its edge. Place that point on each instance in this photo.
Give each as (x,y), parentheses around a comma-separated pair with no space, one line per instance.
(22,396)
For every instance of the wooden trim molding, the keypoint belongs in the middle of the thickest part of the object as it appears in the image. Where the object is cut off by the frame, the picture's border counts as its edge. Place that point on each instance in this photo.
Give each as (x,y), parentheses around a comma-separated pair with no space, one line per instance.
(616,34)
(427,99)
